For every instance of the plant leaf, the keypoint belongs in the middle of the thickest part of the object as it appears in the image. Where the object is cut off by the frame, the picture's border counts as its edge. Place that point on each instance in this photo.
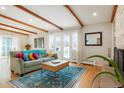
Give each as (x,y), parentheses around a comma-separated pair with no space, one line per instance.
(114,64)
(118,74)
(119,78)
(104,58)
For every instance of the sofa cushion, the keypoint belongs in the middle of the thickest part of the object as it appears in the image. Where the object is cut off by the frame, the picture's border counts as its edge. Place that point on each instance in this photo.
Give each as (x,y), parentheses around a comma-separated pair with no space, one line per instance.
(26,58)
(39,52)
(47,59)
(27,51)
(32,63)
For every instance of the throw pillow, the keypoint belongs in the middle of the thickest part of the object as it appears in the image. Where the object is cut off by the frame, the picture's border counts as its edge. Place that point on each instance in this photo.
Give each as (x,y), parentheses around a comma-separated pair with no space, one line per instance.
(26,58)
(31,56)
(40,53)
(35,55)
(50,54)
(20,55)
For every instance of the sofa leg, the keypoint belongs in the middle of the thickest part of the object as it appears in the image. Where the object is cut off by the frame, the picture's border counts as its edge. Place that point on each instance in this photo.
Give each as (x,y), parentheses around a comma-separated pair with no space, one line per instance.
(12,71)
(22,75)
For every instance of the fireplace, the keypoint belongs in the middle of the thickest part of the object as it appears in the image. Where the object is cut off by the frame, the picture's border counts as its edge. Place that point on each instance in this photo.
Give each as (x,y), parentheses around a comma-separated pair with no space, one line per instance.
(119,58)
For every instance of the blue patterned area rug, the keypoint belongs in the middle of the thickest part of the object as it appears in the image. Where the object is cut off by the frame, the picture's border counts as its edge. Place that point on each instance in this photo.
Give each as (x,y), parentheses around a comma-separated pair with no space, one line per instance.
(64,79)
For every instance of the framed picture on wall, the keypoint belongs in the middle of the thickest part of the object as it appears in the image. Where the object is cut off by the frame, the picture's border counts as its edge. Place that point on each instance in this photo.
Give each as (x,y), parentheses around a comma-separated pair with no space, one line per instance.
(93,39)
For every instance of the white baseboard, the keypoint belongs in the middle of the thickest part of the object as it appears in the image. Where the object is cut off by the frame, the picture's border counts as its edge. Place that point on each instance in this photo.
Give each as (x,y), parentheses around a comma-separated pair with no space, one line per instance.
(88,62)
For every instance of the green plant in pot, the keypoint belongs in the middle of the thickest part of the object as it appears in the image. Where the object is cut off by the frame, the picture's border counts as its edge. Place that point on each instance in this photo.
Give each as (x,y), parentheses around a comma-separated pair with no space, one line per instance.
(117,74)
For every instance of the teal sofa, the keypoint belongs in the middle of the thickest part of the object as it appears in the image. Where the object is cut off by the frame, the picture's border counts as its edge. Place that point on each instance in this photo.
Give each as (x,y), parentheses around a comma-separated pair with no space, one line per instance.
(22,67)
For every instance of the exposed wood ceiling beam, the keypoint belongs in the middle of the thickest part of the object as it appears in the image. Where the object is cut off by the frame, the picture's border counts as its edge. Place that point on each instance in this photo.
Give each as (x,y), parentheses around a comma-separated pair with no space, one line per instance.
(114,12)
(72,12)
(15,20)
(17,28)
(37,16)
(13,31)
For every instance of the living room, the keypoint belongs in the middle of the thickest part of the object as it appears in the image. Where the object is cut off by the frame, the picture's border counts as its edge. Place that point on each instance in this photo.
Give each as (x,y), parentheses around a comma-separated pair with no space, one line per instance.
(41,42)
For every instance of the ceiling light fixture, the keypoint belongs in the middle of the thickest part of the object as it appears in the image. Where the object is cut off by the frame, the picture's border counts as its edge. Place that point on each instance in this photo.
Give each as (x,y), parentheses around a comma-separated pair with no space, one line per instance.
(30,20)
(94,14)
(3,8)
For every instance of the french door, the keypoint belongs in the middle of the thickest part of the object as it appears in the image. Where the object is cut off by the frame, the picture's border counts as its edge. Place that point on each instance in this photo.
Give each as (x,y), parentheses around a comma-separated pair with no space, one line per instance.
(66,46)
(70,46)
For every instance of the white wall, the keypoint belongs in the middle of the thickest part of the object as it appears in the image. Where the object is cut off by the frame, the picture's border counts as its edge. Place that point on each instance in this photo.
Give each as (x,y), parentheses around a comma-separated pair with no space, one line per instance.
(40,34)
(86,51)
(119,27)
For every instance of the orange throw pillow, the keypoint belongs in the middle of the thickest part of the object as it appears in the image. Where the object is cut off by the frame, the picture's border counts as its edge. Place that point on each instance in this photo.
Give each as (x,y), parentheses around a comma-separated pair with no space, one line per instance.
(31,56)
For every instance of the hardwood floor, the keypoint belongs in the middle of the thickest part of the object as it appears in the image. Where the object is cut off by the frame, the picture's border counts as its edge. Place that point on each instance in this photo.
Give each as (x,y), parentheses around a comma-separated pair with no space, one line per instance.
(84,82)
(86,79)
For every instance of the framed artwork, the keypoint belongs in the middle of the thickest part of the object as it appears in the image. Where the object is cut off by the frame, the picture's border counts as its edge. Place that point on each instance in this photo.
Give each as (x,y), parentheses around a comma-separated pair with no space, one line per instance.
(93,39)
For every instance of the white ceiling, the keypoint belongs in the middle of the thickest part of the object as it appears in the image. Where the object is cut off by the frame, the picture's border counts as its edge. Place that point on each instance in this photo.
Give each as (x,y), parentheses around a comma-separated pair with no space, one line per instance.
(18,14)
(58,15)
(15,24)
(84,12)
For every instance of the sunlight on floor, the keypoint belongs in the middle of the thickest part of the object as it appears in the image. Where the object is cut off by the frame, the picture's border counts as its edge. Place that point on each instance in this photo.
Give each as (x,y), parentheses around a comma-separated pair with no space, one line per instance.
(5,74)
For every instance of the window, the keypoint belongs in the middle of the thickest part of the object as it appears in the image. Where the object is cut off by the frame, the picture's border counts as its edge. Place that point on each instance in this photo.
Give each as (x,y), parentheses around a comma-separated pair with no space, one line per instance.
(57,43)
(39,42)
(51,39)
(35,42)
(6,46)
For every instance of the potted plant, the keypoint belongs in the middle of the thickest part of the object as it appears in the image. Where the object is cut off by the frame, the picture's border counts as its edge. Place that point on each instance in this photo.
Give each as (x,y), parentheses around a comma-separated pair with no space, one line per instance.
(117,74)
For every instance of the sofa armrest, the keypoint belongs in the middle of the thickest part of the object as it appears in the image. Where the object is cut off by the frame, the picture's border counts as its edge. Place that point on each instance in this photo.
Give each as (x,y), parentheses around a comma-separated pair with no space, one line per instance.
(17,65)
